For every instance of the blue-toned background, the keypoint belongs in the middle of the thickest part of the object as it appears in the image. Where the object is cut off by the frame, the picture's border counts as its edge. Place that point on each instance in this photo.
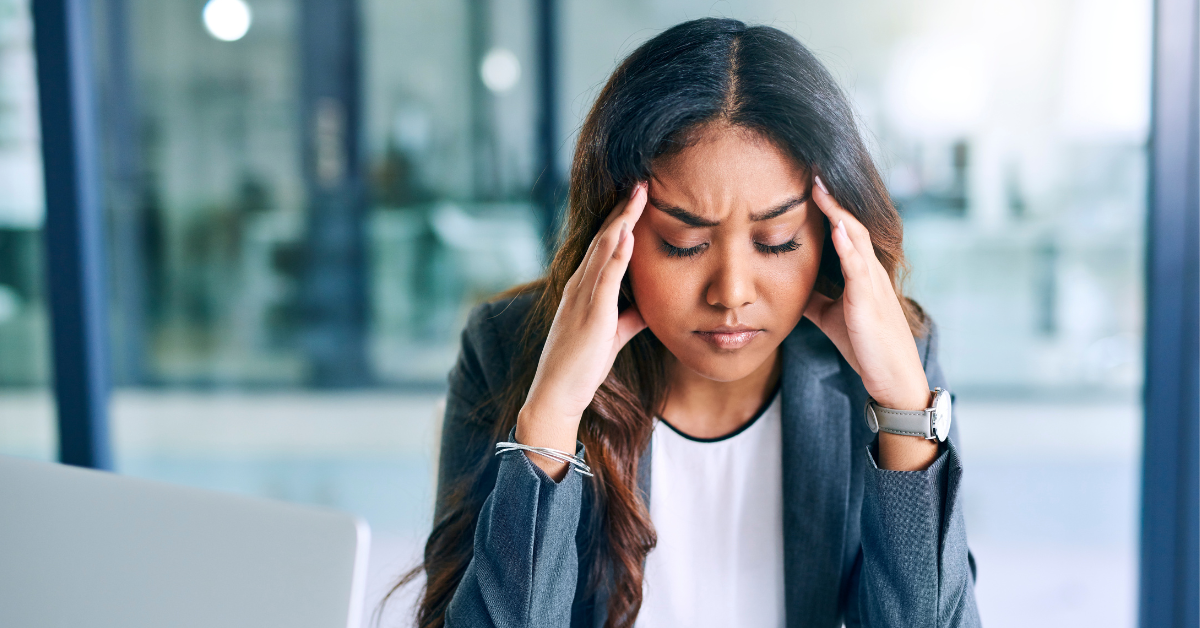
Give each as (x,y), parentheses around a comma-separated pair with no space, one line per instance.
(290,265)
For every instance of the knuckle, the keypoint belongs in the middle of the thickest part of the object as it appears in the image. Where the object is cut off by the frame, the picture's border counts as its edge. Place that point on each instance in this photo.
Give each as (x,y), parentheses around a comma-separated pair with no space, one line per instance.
(571,284)
(607,240)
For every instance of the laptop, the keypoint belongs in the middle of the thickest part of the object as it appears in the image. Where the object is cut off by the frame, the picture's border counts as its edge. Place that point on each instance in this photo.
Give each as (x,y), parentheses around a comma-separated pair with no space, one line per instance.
(92,549)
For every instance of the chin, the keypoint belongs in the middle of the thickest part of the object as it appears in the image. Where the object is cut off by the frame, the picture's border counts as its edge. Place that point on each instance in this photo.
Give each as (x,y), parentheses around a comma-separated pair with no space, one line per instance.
(721,366)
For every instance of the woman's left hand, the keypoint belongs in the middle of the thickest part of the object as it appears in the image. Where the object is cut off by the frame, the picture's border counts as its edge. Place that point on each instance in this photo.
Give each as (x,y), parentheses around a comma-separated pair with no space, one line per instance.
(868,326)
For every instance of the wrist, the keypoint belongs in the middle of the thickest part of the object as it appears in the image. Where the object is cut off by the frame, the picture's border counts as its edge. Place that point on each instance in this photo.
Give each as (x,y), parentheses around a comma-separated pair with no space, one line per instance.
(539,426)
(913,397)
(908,403)
(898,452)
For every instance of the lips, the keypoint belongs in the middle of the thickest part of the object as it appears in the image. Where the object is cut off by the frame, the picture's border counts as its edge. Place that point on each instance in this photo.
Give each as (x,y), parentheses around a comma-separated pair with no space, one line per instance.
(729,338)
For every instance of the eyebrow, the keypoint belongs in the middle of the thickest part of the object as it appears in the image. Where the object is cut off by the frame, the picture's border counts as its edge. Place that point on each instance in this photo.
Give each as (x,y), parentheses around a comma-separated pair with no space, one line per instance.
(692,220)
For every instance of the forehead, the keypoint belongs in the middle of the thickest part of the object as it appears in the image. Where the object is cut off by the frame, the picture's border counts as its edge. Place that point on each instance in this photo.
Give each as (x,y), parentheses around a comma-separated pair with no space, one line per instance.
(729,169)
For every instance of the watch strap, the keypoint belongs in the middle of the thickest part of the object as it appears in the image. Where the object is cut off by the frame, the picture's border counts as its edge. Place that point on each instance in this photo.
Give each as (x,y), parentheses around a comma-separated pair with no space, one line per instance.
(904,422)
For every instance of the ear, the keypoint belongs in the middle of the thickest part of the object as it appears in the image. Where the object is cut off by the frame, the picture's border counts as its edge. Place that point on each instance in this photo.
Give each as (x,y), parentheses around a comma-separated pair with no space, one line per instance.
(830,281)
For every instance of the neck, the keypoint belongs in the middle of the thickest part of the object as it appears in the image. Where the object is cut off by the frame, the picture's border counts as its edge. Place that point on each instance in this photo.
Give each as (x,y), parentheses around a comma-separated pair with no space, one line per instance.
(704,408)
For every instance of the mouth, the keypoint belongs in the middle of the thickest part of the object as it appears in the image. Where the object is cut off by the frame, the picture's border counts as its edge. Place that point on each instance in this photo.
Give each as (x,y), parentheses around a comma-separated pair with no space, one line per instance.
(729,338)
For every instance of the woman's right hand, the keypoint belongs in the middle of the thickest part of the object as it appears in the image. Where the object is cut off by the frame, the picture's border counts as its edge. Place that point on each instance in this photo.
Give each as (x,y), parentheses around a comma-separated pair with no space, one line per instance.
(584,339)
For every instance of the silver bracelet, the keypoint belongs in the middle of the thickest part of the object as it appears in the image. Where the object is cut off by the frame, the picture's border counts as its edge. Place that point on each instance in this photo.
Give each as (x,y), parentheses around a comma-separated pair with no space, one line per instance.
(576,462)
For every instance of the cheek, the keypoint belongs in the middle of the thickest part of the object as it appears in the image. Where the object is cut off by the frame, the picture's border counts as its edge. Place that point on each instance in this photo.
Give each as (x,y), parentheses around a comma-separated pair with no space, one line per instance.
(658,283)
(792,279)
(788,285)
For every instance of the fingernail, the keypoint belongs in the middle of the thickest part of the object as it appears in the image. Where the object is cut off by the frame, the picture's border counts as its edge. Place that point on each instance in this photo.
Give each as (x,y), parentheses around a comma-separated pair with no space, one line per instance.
(841,227)
(821,184)
(624,231)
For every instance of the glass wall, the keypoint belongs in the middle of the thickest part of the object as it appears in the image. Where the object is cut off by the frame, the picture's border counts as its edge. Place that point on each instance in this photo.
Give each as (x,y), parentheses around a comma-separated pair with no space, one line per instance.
(215,157)
(449,121)
(306,197)
(1012,136)
(206,193)
(26,403)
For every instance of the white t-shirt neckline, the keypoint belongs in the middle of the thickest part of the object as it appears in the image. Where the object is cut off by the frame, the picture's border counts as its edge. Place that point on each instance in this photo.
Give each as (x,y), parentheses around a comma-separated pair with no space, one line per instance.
(717,506)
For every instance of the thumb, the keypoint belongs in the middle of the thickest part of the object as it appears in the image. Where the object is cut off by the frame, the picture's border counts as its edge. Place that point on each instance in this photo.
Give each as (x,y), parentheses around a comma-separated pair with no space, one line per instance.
(828,315)
(817,308)
(629,324)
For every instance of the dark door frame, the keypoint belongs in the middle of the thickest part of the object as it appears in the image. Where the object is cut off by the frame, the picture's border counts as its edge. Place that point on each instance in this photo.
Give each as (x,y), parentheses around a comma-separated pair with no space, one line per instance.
(74,228)
(1169,587)
(333,282)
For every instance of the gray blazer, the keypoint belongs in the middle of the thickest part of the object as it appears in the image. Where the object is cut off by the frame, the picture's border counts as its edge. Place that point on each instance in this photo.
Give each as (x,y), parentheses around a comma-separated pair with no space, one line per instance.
(862,545)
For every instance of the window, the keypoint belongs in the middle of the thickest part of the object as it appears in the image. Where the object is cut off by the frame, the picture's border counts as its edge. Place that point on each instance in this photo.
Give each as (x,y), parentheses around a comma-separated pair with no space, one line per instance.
(305,199)
(26,404)
(1012,136)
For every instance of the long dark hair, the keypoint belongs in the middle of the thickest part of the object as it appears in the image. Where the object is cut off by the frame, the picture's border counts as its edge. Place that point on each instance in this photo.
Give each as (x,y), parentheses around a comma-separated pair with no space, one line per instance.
(694,74)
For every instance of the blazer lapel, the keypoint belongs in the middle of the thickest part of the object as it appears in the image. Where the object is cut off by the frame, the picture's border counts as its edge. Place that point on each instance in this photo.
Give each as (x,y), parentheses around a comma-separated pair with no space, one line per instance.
(816,433)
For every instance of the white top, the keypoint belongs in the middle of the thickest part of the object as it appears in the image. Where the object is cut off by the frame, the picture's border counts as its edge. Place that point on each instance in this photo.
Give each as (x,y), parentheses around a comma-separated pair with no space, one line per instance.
(717,505)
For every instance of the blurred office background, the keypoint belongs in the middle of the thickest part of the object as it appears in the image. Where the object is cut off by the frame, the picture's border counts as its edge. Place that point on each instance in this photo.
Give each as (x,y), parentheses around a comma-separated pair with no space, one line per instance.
(305,198)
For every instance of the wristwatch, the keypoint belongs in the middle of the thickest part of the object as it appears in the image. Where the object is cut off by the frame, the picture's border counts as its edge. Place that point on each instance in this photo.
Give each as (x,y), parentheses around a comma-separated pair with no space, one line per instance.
(930,423)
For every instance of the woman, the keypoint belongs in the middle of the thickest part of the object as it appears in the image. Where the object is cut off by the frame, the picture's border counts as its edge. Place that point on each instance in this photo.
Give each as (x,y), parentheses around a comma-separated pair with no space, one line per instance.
(724,303)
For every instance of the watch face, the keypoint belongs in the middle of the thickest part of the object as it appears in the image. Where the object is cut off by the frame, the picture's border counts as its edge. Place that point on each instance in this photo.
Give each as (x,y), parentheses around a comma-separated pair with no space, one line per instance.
(941,414)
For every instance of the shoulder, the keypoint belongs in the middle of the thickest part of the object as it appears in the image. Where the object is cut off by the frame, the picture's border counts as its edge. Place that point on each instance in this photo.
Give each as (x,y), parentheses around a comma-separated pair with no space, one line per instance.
(500,323)
(494,332)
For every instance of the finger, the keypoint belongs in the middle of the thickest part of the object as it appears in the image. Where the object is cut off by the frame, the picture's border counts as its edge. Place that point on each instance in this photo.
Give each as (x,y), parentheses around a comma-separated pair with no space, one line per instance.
(629,324)
(836,213)
(854,267)
(608,239)
(617,211)
(639,188)
(608,280)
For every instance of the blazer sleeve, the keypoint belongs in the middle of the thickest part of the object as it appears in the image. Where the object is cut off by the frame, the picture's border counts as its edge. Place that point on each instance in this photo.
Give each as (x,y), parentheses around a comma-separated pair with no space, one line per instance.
(524,566)
(915,568)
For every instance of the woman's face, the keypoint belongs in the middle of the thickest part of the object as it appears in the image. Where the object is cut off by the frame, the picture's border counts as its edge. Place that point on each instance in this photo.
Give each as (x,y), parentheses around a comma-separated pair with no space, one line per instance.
(726,253)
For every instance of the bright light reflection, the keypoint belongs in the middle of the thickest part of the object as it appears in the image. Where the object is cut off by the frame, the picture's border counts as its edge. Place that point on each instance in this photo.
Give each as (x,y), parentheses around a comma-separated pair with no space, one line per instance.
(227,20)
(500,70)
(938,87)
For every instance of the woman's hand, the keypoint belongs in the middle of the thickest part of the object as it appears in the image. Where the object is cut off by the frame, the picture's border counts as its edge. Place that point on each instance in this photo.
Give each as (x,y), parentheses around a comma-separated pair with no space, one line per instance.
(868,326)
(584,339)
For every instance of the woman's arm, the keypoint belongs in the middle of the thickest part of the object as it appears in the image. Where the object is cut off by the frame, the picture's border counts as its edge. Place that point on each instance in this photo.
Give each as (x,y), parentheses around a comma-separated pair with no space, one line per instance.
(587,333)
(523,568)
(525,563)
(867,325)
(915,568)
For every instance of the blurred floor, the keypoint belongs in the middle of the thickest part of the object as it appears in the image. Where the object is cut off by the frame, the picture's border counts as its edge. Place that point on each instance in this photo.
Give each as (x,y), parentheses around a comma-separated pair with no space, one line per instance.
(1051,498)
(1050,488)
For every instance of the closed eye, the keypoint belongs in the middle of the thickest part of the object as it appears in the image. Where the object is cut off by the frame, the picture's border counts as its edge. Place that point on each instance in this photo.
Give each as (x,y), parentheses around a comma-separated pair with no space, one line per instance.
(674,251)
(786,247)
(769,249)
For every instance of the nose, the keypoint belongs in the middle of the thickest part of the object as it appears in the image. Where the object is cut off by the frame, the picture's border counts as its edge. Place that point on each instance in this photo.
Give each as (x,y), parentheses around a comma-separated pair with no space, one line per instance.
(732,284)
